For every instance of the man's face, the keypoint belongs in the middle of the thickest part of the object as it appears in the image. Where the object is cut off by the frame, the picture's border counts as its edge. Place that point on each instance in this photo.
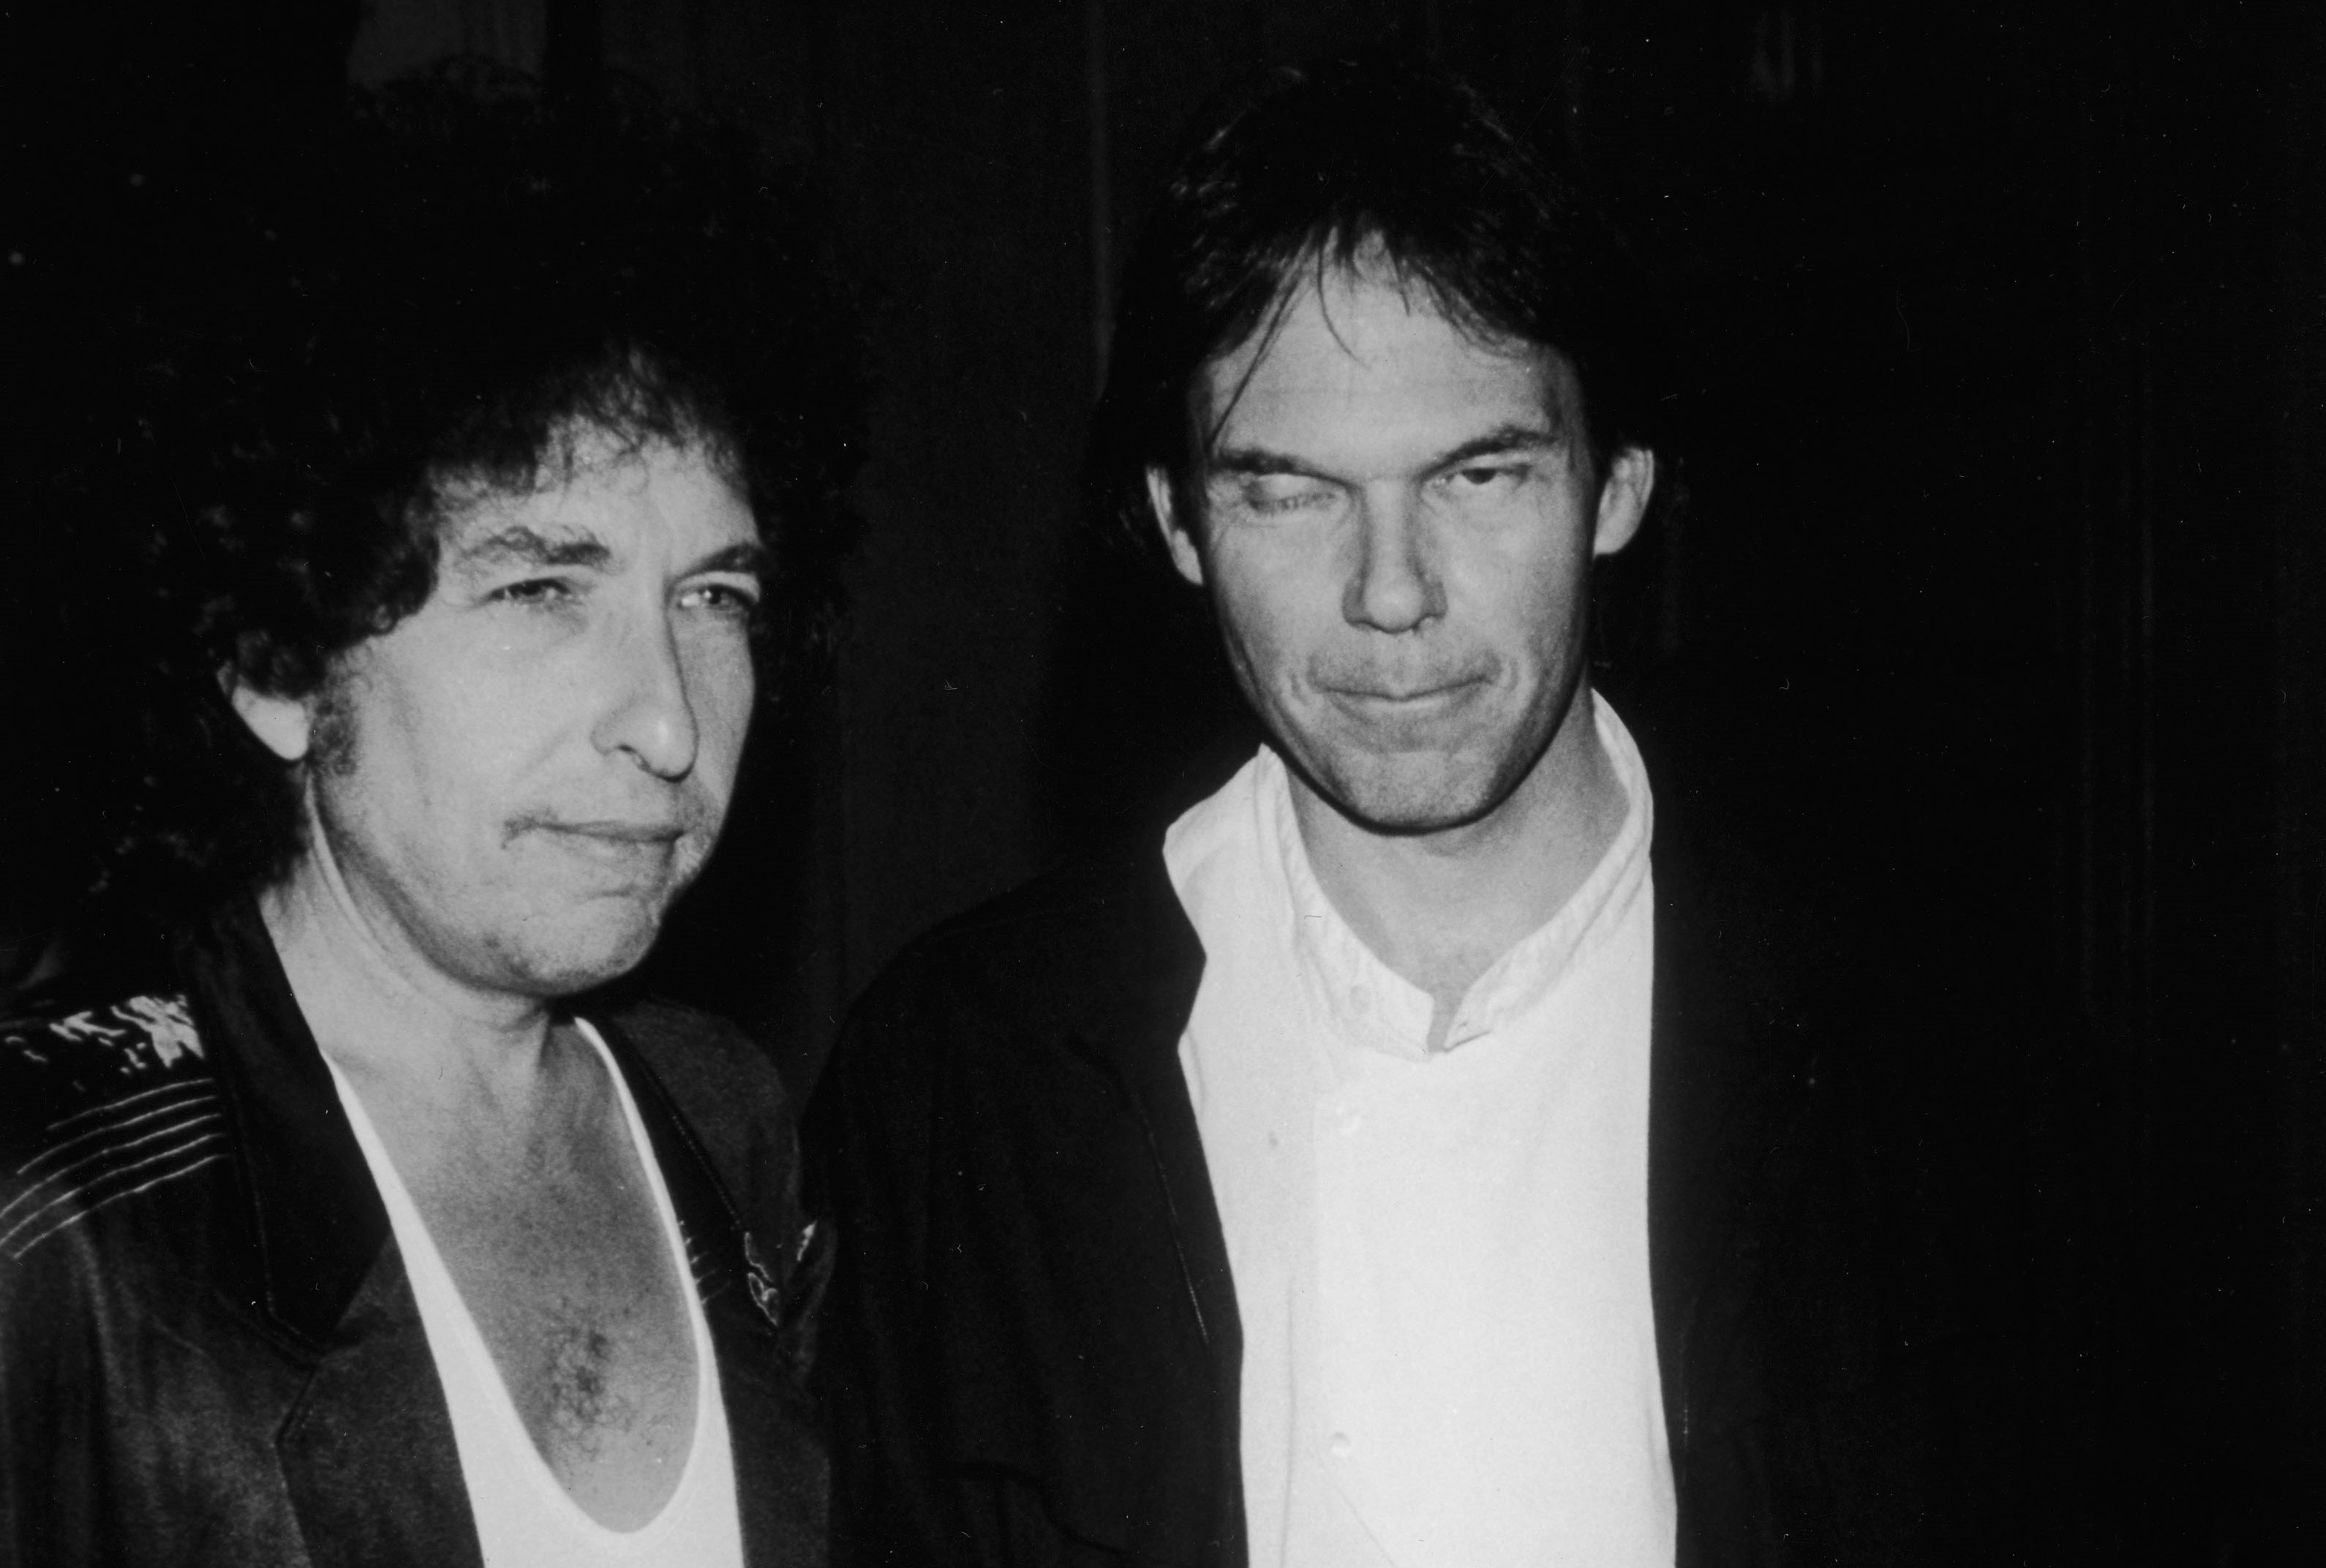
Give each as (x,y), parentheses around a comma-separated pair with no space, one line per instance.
(1397,531)
(514,782)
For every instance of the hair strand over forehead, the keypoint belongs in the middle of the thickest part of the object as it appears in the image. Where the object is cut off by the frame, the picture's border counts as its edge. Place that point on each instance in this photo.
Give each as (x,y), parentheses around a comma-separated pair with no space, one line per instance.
(1357,167)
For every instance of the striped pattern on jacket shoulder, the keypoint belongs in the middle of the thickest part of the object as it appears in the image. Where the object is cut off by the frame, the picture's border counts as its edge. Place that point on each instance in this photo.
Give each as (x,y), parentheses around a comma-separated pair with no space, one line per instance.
(98,1106)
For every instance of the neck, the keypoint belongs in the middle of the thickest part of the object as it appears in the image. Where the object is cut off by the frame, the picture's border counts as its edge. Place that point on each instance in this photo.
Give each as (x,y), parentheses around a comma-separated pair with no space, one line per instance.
(1438,908)
(385,1016)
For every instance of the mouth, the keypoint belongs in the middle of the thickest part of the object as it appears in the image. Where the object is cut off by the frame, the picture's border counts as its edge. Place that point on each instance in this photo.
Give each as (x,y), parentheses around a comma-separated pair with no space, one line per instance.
(1403,700)
(641,834)
(611,842)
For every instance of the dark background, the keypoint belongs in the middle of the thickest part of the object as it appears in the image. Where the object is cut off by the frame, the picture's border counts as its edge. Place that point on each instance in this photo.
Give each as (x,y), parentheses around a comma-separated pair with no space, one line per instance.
(2003,338)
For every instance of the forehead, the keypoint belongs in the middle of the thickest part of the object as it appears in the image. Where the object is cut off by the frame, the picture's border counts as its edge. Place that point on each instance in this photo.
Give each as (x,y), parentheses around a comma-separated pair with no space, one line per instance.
(1355,359)
(595,489)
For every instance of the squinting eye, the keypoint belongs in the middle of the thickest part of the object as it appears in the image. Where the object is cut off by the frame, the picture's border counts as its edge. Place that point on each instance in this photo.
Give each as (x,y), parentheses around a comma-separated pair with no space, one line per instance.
(1476,479)
(1270,494)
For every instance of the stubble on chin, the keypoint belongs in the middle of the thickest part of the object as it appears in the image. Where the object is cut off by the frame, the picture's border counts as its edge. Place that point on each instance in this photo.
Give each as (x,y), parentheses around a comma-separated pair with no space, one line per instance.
(1413,785)
(1423,797)
(579,946)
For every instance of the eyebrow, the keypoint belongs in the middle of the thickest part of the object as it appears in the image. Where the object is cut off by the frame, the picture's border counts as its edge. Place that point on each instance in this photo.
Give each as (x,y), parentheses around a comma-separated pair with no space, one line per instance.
(518,545)
(1252,461)
(751,558)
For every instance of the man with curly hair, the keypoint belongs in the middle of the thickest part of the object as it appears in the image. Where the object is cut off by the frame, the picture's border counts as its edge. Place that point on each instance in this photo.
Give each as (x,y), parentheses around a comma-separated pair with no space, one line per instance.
(345,1229)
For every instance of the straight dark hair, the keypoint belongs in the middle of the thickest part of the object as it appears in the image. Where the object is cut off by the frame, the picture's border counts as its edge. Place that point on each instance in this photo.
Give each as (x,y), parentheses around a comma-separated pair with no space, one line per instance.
(1331,166)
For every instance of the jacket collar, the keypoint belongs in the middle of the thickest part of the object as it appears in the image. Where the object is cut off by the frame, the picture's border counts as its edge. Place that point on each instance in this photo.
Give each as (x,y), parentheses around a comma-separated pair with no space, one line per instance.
(1138,1013)
(1125,995)
(316,1219)
(745,1303)
(1112,965)
(316,1223)
(757,1304)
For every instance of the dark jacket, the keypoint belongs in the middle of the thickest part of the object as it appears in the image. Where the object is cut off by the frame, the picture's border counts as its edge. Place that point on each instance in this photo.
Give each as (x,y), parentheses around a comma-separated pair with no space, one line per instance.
(209,1353)
(1032,1350)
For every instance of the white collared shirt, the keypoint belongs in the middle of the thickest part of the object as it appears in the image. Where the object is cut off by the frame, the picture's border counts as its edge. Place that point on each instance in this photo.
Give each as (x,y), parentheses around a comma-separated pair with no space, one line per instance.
(1440,1260)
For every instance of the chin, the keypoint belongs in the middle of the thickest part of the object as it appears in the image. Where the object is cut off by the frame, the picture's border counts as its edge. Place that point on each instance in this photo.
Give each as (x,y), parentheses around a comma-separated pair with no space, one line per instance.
(1393,795)
(579,955)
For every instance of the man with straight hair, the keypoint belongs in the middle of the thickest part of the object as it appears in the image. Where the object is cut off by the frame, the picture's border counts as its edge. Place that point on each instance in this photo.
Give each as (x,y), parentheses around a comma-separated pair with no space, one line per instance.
(1431,1152)
(349,1224)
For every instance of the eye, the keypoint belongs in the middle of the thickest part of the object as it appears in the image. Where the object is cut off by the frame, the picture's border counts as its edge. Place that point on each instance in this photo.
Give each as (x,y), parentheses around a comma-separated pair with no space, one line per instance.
(732,599)
(1281,494)
(1486,478)
(542,591)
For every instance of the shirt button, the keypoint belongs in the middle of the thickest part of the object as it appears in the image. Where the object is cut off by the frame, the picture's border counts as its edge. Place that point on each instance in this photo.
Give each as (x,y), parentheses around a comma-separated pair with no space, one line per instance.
(1351,1121)
(1340,1445)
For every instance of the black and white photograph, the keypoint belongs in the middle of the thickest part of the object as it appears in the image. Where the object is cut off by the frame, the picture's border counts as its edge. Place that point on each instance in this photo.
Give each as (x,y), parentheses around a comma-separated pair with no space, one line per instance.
(1216,783)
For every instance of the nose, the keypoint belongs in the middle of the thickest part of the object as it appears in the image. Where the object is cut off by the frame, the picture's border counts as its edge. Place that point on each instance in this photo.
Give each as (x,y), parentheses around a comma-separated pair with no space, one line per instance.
(651,713)
(1394,587)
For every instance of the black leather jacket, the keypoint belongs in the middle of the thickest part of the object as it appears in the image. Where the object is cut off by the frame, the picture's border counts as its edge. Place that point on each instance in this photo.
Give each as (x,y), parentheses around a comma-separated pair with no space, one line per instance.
(209,1353)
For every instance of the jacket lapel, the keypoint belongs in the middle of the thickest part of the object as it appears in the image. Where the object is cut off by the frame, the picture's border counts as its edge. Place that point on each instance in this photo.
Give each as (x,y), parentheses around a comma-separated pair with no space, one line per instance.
(368,1454)
(759,1296)
(1075,1265)
(1134,1011)
(366,1448)
(1135,1018)
(316,1223)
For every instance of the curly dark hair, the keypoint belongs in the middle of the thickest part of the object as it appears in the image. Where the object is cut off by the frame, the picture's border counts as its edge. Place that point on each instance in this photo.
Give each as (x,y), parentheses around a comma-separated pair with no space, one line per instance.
(456,281)
(1305,168)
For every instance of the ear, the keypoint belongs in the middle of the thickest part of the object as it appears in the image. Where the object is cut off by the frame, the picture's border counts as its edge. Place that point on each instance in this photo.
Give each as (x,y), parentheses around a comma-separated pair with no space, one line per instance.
(1623,499)
(284,725)
(1175,536)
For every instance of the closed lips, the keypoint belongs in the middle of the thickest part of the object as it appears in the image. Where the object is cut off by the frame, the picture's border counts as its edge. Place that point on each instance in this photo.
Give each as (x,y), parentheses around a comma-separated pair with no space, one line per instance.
(623,832)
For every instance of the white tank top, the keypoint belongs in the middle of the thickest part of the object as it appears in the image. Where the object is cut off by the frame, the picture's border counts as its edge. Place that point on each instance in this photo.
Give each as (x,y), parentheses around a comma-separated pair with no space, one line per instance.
(524,1517)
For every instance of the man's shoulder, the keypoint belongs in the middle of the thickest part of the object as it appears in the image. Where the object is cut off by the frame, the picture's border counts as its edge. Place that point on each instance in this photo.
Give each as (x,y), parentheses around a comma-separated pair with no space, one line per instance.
(69,1055)
(1090,898)
(105,1098)
(712,1071)
(663,1029)
(1774,934)
(1080,933)
(1095,952)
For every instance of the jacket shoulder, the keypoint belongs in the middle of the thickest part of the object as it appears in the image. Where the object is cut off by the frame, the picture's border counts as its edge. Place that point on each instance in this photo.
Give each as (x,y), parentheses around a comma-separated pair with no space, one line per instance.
(722,1082)
(673,1036)
(104,1099)
(1083,903)
(1095,942)
(62,1056)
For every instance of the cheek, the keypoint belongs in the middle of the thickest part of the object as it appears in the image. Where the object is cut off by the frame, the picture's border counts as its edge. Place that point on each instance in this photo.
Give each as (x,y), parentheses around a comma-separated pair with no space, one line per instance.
(1273,612)
(1536,598)
(467,745)
(722,686)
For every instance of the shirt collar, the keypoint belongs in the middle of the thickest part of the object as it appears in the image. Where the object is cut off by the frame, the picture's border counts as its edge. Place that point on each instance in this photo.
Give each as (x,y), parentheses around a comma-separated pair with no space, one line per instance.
(1367,1003)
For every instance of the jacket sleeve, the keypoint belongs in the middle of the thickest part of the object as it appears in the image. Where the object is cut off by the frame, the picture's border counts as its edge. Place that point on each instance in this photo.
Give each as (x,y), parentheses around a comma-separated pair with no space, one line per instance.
(50,1409)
